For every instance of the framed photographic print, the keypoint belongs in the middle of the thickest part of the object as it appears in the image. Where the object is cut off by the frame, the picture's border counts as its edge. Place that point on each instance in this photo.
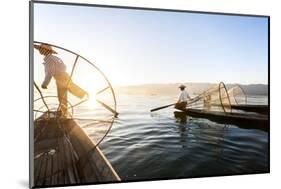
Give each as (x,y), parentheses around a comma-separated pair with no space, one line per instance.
(124,94)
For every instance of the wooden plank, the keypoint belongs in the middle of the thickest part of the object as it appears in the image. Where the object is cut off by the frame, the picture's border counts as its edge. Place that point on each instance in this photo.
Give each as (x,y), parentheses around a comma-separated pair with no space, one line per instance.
(40,177)
(37,166)
(49,168)
(74,158)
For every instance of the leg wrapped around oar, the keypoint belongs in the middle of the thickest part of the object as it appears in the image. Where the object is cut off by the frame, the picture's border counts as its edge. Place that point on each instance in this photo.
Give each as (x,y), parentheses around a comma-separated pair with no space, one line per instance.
(181,105)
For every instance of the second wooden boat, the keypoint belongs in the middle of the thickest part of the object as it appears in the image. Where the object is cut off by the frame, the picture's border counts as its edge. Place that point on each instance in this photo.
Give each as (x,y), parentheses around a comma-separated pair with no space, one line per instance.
(250,121)
(263,109)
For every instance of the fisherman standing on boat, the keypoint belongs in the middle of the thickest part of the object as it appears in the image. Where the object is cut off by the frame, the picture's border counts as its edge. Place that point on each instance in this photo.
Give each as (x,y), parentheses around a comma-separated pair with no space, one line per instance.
(54,67)
(183,98)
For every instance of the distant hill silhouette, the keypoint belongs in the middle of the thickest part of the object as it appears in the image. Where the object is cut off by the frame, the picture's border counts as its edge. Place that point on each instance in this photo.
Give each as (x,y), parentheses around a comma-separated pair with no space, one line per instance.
(253,89)
(192,88)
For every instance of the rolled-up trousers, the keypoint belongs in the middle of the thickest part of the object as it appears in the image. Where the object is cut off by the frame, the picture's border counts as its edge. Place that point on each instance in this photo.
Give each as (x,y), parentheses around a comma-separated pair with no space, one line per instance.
(65,84)
(181,105)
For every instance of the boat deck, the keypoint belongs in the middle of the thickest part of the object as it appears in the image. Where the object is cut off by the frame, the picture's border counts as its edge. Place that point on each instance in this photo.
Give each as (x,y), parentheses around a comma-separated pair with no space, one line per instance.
(64,155)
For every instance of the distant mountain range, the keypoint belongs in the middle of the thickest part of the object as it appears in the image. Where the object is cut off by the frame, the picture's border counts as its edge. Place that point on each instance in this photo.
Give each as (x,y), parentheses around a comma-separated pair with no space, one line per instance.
(253,89)
(192,88)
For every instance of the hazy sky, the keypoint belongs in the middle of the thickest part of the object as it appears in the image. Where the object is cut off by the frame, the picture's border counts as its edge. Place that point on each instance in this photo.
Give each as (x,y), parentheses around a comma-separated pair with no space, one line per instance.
(141,46)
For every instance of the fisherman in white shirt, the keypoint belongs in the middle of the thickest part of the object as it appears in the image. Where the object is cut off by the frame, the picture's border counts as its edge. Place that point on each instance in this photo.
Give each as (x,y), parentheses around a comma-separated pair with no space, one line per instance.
(54,67)
(183,98)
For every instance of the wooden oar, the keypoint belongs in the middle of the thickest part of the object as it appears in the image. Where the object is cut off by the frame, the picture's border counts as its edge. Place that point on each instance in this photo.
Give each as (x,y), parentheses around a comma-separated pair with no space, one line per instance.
(162,107)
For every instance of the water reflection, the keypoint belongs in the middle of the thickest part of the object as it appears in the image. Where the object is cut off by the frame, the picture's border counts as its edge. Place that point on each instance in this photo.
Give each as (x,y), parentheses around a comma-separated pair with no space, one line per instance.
(185,121)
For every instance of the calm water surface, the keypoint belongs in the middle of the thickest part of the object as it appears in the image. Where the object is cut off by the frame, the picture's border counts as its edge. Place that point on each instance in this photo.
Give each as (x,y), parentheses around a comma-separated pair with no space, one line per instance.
(144,145)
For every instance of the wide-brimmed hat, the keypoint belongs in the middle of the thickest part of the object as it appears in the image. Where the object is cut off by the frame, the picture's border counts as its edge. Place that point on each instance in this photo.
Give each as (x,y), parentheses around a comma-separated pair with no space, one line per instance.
(182,86)
(45,47)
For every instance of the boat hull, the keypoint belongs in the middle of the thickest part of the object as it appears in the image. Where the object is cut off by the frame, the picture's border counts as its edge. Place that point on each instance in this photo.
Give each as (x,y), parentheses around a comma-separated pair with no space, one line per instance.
(248,121)
(65,155)
(263,109)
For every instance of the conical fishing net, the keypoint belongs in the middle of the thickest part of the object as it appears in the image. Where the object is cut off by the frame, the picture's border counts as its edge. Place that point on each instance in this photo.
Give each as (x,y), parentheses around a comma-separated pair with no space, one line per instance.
(237,95)
(216,98)
(87,96)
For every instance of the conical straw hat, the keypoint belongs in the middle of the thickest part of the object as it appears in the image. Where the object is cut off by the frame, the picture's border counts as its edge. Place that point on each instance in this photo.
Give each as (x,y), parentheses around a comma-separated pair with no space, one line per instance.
(45,47)
(182,86)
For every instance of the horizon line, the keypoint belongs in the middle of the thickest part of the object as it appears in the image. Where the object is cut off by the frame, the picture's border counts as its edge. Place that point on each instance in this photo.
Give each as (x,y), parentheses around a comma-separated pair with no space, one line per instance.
(141,84)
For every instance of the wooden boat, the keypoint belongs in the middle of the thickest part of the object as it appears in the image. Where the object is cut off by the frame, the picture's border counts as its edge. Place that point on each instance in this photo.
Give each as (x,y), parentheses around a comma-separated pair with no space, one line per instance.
(250,121)
(263,109)
(65,155)
(238,101)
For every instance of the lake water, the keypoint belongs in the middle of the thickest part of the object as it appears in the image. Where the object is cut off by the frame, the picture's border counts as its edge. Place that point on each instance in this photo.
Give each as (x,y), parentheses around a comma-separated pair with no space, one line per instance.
(143,145)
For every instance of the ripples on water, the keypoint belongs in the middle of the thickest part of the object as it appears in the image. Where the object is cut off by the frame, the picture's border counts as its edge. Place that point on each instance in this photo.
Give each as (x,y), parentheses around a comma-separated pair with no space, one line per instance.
(144,145)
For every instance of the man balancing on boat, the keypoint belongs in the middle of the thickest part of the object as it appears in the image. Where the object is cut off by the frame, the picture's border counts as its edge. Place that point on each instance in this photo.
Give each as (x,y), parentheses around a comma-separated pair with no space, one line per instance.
(181,103)
(183,98)
(54,67)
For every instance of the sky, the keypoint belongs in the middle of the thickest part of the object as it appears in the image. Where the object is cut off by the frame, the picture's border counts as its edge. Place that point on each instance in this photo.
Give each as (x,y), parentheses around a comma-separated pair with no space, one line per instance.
(143,46)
